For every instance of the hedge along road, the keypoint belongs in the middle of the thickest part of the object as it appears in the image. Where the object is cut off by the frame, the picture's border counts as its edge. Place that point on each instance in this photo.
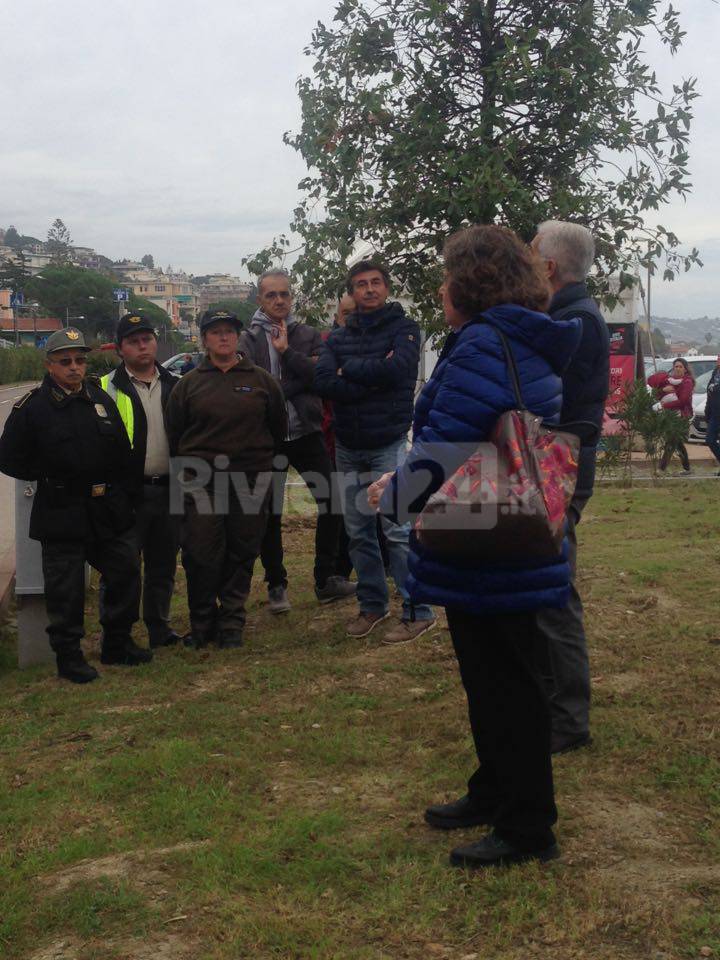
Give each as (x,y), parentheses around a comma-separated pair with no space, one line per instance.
(8,396)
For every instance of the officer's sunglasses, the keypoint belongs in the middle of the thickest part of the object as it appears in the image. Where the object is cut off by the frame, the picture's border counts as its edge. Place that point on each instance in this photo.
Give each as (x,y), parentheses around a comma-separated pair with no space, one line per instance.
(69,361)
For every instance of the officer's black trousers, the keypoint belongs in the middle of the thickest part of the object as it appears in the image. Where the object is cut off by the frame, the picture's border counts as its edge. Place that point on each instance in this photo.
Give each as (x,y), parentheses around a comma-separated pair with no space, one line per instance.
(158,536)
(221,537)
(510,722)
(63,564)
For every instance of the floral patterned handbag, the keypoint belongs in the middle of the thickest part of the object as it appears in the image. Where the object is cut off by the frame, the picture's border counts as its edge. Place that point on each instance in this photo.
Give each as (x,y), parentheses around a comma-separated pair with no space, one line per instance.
(508,501)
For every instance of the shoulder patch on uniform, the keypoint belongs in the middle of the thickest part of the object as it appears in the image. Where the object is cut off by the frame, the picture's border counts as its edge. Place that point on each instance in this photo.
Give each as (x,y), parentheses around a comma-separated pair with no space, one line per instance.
(94,379)
(23,400)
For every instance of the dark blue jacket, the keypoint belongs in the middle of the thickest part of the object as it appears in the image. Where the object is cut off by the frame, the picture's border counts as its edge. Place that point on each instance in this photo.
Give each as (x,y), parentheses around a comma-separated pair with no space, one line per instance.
(373,397)
(587,379)
(458,409)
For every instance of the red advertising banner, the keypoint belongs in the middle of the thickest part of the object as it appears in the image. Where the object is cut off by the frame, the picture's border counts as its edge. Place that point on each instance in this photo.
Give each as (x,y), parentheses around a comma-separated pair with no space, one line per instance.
(623,368)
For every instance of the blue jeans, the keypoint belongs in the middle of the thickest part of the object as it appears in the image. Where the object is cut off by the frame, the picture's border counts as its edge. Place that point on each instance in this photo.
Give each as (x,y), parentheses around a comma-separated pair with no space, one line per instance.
(711,437)
(358,469)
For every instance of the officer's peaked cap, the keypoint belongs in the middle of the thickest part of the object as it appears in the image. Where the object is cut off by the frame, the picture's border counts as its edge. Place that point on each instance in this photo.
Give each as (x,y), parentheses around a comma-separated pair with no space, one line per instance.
(66,339)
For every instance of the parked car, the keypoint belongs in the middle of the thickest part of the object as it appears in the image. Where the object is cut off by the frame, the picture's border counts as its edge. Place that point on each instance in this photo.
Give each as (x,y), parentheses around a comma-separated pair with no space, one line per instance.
(698,424)
(176,363)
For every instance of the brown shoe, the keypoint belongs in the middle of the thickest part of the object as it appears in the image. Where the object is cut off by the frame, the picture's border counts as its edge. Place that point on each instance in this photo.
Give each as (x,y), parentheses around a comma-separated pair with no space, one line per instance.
(364,623)
(408,630)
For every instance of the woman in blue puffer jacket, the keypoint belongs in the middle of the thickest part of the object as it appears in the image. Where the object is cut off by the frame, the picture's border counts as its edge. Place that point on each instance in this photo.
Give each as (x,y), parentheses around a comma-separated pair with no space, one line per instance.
(492,282)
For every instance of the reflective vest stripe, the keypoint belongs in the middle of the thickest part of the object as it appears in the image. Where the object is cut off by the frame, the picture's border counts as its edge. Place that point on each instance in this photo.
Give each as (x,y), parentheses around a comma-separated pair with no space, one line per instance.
(123,403)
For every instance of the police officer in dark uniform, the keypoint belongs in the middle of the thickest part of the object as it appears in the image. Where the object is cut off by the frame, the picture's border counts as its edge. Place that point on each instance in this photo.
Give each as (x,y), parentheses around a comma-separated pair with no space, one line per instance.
(67,434)
(225,420)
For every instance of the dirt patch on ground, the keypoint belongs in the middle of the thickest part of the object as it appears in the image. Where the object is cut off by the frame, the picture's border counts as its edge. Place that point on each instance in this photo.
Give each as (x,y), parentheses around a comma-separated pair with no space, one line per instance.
(143,867)
(172,947)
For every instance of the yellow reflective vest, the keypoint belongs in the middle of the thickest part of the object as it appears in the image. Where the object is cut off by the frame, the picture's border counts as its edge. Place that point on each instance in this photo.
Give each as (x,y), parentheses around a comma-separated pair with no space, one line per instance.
(123,403)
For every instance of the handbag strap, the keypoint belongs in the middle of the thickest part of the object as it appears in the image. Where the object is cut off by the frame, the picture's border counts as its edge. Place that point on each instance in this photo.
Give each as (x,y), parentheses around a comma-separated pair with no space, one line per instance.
(511,366)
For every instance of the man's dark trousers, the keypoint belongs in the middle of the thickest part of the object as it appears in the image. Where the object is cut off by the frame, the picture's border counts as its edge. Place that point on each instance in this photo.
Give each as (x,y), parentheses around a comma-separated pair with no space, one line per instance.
(309,456)
(568,677)
(158,535)
(63,563)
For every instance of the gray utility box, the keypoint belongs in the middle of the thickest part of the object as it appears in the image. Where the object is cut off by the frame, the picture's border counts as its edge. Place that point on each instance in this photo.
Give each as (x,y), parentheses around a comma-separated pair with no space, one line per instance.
(33,645)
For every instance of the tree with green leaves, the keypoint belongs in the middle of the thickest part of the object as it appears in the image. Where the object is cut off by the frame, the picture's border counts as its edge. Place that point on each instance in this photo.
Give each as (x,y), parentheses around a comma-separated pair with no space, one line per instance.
(243,309)
(13,238)
(422,116)
(64,291)
(58,242)
(14,272)
(148,261)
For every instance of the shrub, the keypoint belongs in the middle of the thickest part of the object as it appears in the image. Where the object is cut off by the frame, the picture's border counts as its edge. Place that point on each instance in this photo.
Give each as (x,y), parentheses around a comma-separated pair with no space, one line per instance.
(20,364)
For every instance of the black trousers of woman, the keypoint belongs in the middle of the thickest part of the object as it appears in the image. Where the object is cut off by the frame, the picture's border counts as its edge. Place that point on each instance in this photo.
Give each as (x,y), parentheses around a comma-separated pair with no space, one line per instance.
(510,722)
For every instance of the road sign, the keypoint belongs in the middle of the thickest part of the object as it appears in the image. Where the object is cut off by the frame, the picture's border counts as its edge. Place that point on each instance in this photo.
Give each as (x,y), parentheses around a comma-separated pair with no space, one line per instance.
(121,295)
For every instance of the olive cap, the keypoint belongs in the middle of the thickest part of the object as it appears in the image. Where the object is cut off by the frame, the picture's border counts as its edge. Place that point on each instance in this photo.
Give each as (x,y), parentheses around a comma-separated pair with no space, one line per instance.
(66,339)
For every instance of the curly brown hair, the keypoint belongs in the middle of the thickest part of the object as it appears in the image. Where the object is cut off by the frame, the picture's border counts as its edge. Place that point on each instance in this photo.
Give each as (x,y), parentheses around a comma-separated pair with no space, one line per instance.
(487,265)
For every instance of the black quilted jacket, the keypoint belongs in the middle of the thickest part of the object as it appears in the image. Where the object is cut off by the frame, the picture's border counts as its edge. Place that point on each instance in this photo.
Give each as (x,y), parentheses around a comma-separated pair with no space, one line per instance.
(377,355)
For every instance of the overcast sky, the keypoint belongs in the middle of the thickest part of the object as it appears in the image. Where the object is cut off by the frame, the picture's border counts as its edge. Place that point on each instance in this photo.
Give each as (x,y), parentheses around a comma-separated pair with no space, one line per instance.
(155,126)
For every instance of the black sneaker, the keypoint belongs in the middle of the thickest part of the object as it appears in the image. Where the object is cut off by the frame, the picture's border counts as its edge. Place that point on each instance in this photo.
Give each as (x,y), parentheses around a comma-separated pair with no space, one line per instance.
(75,668)
(456,815)
(336,588)
(278,600)
(126,655)
(493,851)
(168,639)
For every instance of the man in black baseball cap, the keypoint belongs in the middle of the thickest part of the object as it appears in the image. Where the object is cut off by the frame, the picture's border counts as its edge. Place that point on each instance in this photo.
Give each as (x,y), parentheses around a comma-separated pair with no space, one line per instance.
(141,387)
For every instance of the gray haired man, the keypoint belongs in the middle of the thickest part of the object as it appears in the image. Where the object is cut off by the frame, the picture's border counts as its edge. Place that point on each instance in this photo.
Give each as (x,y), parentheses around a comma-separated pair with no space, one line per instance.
(288,349)
(568,251)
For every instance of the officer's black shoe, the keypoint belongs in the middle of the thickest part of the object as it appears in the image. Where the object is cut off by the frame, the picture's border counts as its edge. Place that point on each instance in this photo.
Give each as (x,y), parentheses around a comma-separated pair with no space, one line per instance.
(453,816)
(336,588)
(75,668)
(127,654)
(493,851)
(229,641)
(168,639)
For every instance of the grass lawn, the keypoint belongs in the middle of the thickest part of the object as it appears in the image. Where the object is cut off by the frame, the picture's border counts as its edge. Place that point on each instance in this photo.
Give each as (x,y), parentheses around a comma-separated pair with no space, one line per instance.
(267,802)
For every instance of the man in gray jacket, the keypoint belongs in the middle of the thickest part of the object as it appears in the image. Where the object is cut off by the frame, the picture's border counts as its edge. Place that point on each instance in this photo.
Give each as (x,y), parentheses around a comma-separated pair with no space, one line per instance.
(288,349)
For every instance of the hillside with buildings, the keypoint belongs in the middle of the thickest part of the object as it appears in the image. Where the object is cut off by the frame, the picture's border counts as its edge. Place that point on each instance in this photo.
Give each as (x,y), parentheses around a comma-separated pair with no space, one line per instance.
(179,295)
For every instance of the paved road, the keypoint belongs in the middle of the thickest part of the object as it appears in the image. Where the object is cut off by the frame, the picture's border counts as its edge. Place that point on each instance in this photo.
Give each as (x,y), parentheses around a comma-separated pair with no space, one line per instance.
(8,396)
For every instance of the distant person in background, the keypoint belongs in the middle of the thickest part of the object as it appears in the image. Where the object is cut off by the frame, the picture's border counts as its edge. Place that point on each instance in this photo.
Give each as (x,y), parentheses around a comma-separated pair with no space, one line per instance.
(712,412)
(568,251)
(288,350)
(676,389)
(188,365)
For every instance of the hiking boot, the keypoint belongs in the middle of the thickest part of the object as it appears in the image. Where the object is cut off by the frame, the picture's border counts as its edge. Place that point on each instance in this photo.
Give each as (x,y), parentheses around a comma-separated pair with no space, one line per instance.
(408,630)
(229,641)
(493,851)
(74,667)
(455,815)
(336,588)
(278,600)
(364,623)
(126,654)
(568,744)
